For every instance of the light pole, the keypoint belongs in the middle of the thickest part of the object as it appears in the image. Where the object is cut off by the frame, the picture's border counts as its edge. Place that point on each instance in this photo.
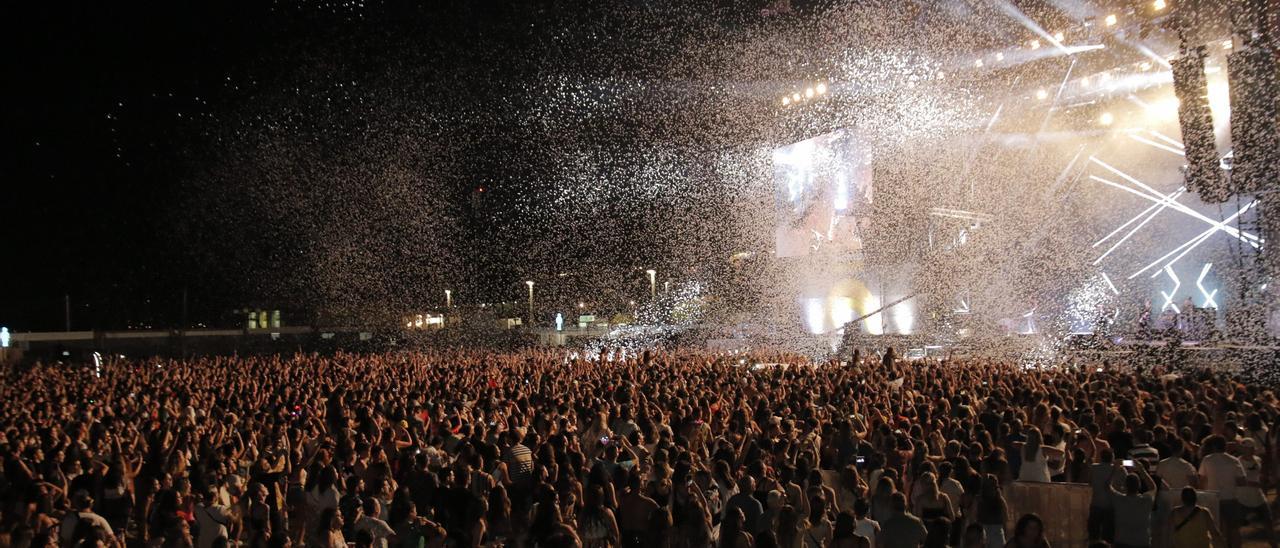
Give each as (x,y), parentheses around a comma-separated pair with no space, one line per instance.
(530,284)
(448,299)
(653,283)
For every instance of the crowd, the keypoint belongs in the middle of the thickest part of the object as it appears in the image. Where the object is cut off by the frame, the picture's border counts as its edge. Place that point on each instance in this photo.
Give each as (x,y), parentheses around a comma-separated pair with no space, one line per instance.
(681,449)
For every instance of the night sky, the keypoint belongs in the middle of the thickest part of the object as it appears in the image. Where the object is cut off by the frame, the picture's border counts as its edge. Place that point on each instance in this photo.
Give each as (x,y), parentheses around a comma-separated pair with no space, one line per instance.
(153,148)
(348,161)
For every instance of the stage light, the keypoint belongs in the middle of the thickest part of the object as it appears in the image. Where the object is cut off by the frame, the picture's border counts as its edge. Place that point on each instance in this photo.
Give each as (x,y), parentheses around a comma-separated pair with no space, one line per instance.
(999,56)
(1059,36)
(1208,295)
(1226,44)
(977,63)
(1111,20)
(1168,297)
(1106,119)
(820,88)
(1164,108)
(1159,5)
(808,93)
(795,97)
(1041,94)
(1084,82)
(1035,44)
(1219,99)
(1145,66)
(786,101)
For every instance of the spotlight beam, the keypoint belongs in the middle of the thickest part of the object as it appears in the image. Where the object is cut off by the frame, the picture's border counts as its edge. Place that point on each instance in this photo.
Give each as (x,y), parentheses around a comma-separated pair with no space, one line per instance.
(1109,284)
(1214,225)
(1122,240)
(1048,115)
(1206,236)
(1160,146)
(1193,242)
(1135,218)
(1167,139)
(1154,195)
(1012,11)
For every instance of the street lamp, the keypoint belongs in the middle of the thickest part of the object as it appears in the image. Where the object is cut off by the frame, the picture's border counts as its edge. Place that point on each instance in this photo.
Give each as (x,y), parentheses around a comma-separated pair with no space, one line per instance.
(653,284)
(530,284)
(448,299)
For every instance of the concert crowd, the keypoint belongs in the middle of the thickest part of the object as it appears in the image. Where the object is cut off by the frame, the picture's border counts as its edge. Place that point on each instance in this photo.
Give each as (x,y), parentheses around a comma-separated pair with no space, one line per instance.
(680,448)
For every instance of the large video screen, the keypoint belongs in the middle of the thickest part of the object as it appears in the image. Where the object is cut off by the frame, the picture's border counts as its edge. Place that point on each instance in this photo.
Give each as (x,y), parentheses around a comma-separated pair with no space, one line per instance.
(823,193)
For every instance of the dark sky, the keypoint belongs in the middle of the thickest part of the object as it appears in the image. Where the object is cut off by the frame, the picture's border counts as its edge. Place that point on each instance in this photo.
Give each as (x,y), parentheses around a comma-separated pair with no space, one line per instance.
(154,147)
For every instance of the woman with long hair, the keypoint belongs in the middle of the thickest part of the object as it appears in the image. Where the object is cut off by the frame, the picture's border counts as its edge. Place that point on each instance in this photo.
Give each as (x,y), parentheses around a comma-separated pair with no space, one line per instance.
(845,535)
(991,511)
(732,534)
(327,532)
(935,509)
(597,526)
(881,500)
(499,517)
(818,534)
(791,525)
(1035,458)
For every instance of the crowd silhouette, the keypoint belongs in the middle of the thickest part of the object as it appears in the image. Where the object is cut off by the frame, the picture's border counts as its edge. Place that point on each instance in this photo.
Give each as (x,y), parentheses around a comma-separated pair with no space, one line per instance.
(679,448)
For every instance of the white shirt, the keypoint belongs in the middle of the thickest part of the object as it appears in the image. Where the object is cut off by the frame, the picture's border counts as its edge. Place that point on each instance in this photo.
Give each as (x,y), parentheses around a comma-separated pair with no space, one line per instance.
(953,489)
(377,529)
(1176,472)
(213,522)
(1221,472)
(867,528)
(1250,496)
(69,523)
(1036,469)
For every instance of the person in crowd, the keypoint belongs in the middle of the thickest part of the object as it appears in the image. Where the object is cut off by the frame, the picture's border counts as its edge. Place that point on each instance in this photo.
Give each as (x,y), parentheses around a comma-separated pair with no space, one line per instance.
(845,534)
(864,525)
(902,529)
(1191,525)
(1176,472)
(819,528)
(1028,532)
(1035,457)
(1252,498)
(991,512)
(213,520)
(1222,472)
(1133,504)
(975,537)
(934,509)
(597,526)
(733,532)
(81,523)
(370,524)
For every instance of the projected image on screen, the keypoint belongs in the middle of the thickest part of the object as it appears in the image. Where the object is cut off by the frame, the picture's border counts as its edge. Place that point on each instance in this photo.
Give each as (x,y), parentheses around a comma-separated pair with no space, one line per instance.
(823,189)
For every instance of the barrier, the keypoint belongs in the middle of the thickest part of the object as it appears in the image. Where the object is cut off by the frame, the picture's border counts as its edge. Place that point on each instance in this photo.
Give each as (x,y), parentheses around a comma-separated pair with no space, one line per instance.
(1064,507)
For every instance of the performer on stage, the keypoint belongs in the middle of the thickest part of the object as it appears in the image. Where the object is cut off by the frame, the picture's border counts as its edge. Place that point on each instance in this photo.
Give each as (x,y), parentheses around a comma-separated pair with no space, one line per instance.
(1144,320)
